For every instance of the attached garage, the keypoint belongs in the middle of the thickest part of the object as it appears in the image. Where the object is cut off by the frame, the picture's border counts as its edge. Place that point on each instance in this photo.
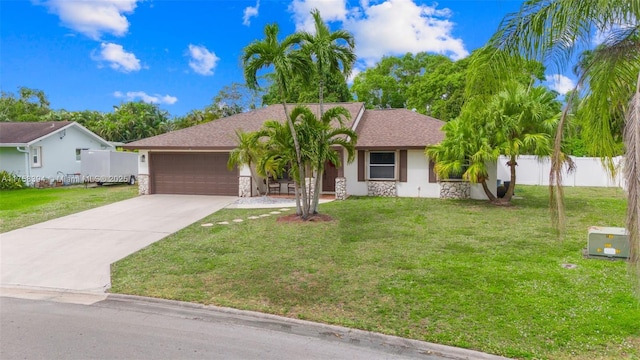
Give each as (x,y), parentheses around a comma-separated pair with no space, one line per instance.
(192,173)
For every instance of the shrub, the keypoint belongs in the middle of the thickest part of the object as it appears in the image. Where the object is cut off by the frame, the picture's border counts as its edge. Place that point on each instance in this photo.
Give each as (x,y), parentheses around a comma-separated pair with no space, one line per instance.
(11,181)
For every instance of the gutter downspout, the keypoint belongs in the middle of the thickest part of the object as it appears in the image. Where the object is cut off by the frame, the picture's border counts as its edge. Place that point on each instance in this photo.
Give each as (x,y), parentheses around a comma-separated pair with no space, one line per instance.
(26,151)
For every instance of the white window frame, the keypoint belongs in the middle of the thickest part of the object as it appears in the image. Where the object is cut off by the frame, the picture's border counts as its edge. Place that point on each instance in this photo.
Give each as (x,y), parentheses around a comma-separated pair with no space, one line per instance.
(36,156)
(394,165)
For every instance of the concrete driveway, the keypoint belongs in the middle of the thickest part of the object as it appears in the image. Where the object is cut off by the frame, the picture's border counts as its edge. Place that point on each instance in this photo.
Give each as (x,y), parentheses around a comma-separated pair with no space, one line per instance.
(75,252)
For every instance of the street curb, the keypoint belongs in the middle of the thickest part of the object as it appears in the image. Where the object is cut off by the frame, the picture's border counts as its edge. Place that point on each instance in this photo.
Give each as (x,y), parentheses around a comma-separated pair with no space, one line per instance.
(388,343)
(53,294)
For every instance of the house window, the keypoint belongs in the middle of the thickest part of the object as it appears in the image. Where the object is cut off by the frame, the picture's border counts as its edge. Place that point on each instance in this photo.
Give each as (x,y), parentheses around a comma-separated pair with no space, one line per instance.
(36,156)
(79,154)
(382,165)
(458,176)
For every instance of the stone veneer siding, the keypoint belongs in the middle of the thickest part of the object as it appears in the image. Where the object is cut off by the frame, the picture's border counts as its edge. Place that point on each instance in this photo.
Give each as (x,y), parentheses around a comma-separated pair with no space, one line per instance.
(341,188)
(382,188)
(143,184)
(244,186)
(455,190)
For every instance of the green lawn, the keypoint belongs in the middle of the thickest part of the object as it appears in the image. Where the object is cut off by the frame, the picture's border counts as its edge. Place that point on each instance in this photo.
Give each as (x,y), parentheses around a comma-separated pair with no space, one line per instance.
(461,273)
(20,208)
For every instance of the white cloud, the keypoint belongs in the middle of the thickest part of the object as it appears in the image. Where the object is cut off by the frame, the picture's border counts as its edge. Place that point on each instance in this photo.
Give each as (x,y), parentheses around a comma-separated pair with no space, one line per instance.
(603,34)
(389,27)
(117,57)
(331,10)
(153,99)
(94,18)
(202,60)
(249,12)
(353,75)
(560,83)
(401,26)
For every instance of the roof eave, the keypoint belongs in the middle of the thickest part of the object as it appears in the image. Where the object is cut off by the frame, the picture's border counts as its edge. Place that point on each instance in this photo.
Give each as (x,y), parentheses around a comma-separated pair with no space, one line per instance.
(13,144)
(387,147)
(184,148)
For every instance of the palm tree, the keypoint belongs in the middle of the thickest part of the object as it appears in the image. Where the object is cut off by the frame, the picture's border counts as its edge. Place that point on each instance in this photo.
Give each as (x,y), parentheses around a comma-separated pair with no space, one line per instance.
(522,119)
(331,52)
(555,30)
(465,151)
(287,61)
(279,152)
(319,138)
(518,120)
(248,152)
(328,53)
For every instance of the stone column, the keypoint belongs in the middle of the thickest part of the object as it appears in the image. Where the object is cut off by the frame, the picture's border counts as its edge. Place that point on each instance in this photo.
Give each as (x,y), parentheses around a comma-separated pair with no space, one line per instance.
(341,188)
(143,184)
(455,190)
(244,186)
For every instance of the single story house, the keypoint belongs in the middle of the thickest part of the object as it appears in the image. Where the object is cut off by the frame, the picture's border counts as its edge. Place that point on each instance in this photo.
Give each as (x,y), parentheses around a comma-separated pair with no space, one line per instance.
(390,157)
(45,151)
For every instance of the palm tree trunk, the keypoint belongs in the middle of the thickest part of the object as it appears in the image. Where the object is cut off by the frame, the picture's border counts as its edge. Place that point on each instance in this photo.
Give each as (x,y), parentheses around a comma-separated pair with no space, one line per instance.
(297,196)
(316,194)
(487,191)
(632,176)
(321,97)
(255,178)
(512,184)
(320,171)
(304,209)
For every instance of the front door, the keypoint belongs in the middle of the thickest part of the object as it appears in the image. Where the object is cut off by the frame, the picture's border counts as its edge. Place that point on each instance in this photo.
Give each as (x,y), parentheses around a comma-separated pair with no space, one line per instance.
(329,177)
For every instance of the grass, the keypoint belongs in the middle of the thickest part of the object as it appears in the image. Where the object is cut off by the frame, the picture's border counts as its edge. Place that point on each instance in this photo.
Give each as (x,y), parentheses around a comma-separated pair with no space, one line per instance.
(460,273)
(20,208)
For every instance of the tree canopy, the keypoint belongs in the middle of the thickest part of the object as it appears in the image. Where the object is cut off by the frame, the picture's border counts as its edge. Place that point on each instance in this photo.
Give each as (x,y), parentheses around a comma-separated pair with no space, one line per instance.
(386,84)
(129,121)
(306,91)
(28,105)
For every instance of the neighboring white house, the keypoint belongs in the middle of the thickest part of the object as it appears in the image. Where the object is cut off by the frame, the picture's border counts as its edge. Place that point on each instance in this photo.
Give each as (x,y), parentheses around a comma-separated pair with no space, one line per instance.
(390,158)
(44,151)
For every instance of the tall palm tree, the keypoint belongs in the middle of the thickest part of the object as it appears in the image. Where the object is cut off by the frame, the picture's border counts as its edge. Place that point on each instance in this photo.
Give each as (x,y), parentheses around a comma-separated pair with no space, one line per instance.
(287,61)
(330,51)
(556,30)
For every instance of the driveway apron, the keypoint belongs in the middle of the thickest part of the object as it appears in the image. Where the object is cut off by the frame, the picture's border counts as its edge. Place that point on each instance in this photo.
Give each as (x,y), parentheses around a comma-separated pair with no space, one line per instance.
(75,252)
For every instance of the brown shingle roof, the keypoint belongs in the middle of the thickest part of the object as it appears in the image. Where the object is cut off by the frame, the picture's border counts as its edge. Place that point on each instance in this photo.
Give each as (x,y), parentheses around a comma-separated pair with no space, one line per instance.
(220,134)
(24,132)
(397,128)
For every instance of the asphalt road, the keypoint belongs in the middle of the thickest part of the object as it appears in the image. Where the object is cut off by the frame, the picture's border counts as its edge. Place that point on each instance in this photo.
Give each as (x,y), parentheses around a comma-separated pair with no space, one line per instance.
(123,328)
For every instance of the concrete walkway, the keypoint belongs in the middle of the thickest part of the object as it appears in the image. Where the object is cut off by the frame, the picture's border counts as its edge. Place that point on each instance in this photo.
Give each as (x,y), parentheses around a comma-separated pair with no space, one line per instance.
(75,252)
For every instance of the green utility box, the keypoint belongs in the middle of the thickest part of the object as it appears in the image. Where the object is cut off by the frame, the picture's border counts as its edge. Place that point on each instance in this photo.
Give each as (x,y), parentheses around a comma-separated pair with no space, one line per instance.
(609,242)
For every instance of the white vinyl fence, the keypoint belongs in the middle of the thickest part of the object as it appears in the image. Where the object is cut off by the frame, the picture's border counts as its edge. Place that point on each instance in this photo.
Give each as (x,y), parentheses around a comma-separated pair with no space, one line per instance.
(532,170)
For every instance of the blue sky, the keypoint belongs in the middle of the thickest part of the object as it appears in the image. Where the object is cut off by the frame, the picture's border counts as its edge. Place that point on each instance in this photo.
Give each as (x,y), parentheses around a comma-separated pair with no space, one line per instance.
(92,55)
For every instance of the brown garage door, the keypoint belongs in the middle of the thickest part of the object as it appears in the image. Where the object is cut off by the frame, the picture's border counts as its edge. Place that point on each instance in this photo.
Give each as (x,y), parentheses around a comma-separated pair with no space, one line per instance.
(192,174)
